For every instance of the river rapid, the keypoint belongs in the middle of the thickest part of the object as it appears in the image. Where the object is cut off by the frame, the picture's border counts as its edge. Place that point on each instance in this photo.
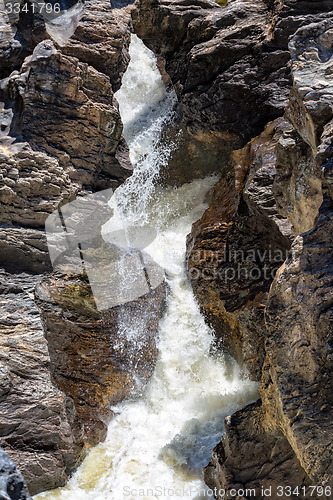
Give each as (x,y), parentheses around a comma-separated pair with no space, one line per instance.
(158,444)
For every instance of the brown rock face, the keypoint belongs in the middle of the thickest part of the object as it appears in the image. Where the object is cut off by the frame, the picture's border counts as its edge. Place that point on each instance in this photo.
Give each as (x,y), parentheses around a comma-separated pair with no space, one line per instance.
(230,65)
(60,136)
(102,39)
(94,359)
(237,246)
(61,132)
(305,153)
(39,426)
(297,379)
(249,463)
(296,384)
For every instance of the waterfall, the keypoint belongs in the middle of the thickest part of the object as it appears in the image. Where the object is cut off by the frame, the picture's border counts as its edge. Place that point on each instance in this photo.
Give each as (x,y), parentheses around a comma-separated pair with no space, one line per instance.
(157,446)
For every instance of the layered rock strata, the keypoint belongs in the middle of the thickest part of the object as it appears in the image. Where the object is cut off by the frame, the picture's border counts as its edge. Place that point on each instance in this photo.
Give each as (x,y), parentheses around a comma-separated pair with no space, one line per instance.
(93,359)
(60,137)
(230,66)
(296,391)
(236,247)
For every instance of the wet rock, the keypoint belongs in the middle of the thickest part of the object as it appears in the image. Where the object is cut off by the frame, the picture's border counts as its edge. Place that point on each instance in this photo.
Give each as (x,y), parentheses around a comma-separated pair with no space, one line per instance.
(102,39)
(236,247)
(39,426)
(20,33)
(93,358)
(195,154)
(253,458)
(69,142)
(296,384)
(230,66)
(12,484)
(304,153)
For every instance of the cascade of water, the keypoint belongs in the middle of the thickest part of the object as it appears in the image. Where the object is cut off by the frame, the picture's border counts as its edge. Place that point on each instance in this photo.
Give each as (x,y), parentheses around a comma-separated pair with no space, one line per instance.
(157,446)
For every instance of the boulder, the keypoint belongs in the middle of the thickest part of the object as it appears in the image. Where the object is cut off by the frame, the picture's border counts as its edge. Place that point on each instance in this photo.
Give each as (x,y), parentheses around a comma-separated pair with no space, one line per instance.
(296,383)
(102,39)
(99,356)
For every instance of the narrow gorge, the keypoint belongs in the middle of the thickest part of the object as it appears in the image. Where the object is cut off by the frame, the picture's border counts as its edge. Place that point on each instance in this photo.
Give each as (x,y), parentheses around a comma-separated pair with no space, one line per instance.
(166,253)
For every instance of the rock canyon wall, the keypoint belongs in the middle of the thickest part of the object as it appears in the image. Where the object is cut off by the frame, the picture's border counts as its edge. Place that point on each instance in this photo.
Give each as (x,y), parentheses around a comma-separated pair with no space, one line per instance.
(61,137)
(254,81)
(260,258)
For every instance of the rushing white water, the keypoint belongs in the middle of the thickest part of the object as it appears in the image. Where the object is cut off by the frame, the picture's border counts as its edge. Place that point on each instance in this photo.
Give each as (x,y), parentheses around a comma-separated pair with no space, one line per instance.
(157,446)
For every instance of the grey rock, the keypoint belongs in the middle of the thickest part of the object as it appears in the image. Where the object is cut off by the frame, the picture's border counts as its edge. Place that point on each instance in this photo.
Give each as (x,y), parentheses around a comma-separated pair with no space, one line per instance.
(253,457)
(235,248)
(12,484)
(304,153)
(23,249)
(297,379)
(60,128)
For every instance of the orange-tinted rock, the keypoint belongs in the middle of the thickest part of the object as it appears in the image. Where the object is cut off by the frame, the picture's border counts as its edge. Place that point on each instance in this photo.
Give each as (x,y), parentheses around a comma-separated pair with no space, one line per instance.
(236,247)
(98,358)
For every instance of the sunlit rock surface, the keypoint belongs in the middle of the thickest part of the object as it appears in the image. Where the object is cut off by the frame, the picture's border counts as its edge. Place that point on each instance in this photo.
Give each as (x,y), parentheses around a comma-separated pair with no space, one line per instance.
(296,380)
(61,132)
(304,153)
(230,65)
(91,360)
(39,426)
(60,136)
(102,40)
(237,246)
